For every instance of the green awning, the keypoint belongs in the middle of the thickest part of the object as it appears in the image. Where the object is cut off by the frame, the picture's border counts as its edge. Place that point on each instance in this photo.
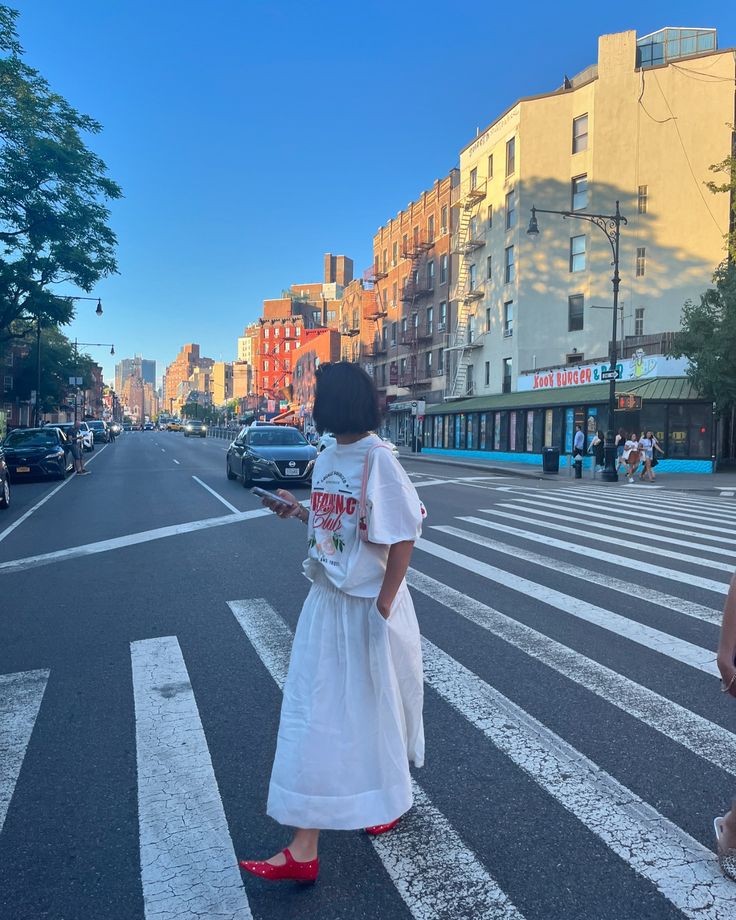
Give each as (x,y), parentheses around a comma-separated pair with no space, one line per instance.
(661,389)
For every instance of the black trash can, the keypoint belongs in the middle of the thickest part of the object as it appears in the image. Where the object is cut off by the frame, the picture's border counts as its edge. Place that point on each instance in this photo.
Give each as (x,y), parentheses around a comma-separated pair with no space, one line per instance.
(550,459)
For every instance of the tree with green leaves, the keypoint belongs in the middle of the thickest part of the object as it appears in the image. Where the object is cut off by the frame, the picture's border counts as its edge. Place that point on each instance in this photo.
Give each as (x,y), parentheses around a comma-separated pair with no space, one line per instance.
(707,338)
(54,194)
(727,169)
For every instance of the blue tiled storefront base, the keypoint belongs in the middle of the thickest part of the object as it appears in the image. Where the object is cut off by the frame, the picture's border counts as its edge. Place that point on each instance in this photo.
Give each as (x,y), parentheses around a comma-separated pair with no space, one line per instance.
(492,456)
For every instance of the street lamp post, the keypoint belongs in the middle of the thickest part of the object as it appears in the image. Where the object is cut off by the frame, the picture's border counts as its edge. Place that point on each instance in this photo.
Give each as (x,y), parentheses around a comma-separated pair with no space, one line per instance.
(76,366)
(610,224)
(37,407)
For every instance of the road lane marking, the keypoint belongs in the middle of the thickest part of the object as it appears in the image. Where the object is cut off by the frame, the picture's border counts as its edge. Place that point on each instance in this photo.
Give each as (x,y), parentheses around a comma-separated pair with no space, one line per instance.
(219,497)
(443,877)
(188,864)
(683,871)
(649,595)
(27,514)
(705,739)
(20,700)
(612,557)
(653,639)
(133,539)
(572,511)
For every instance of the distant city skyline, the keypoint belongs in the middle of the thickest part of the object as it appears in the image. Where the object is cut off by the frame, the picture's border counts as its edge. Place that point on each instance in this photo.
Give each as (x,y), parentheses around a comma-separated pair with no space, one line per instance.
(232,193)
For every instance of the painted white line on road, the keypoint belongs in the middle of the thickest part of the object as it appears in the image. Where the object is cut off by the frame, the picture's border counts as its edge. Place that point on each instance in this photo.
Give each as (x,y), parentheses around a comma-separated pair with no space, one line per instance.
(649,595)
(653,639)
(177,462)
(219,497)
(27,514)
(682,870)
(133,539)
(188,864)
(647,548)
(20,700)
(443,877)
(570,511)
(704,738)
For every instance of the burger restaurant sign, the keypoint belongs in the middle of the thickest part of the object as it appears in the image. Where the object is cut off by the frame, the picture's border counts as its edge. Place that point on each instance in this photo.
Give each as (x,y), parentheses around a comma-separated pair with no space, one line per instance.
(640,367)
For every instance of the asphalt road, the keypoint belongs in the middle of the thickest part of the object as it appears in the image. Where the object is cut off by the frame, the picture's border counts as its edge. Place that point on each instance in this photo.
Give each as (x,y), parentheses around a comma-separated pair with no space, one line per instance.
(577,745)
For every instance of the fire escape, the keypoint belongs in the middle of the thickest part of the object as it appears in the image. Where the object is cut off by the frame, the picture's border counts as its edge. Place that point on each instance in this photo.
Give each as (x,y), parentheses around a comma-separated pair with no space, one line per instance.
(467,290)
(416,287)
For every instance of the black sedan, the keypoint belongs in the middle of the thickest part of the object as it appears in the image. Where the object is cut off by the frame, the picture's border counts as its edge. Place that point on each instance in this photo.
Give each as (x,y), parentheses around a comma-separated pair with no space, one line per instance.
(4,482)
(272,452)
(32,452)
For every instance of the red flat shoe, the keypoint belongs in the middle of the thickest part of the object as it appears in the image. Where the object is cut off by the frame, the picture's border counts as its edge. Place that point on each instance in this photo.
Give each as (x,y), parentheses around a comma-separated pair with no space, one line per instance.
(382,828)
(292,870)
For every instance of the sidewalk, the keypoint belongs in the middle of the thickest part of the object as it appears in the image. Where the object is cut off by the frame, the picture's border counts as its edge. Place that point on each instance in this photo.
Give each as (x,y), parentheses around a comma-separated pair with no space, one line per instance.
(715,484)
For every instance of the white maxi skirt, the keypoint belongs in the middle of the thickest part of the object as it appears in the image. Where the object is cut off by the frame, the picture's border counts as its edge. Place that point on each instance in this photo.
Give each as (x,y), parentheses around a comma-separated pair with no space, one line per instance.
(351,716)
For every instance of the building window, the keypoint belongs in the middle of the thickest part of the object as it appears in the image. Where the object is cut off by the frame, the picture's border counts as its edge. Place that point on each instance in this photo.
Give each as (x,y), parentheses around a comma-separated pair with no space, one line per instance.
(506,385)
(430,275)
(643,197)
(509,273)
(580,133)
(575,358)
(440,360)
(641,261)
(490,165)
(443,219)
(443,316)
(474,178)
(575,312)
(511,156)
(579,193)
(428,363)
(395,254)
(430,228)
(510,210)
(487,377)
(472,277)
(394,329)
(489,216)
(489,266)
(639,321)
(508,318)
(577,253)
(430,320)
(443,269)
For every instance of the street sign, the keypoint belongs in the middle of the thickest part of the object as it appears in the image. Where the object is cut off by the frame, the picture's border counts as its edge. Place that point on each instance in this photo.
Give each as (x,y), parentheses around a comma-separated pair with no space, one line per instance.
(610,375)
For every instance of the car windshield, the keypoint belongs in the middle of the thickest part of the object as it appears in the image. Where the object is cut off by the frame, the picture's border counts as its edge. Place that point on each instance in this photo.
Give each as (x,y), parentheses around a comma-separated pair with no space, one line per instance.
(31,438)
(276,437)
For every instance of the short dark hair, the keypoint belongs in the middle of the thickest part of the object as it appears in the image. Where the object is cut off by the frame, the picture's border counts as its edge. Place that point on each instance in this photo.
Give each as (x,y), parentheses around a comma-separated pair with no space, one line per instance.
(345,400)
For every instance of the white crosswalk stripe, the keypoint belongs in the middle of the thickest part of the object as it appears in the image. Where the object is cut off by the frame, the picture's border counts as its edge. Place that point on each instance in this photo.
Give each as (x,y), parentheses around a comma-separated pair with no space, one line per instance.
(188,865)
(422,875)
(20,700)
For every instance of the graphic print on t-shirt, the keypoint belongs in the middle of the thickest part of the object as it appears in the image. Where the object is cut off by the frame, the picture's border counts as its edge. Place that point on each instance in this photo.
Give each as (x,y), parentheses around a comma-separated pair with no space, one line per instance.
(334,510)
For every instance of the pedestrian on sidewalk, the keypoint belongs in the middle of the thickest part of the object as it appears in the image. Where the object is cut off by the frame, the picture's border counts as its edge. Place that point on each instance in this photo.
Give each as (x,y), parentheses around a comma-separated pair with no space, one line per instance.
(75,439)
(725,827)
(351,716)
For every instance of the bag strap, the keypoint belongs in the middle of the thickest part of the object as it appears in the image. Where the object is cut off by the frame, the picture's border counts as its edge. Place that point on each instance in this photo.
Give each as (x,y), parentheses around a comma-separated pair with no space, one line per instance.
(362,510)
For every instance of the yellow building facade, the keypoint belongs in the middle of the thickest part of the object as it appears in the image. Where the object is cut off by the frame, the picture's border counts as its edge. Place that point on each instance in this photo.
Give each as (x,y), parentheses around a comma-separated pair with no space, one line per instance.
(642,126)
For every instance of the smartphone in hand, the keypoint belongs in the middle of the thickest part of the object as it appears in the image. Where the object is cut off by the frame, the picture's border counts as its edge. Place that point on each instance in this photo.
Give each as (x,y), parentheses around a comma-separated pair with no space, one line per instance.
(272,497)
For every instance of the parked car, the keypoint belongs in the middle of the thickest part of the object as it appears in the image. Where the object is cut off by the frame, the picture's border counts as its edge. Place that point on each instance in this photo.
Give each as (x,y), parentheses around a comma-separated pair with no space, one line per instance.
(88,438)
(196,428)
(99,429)
(4,482)
(275,452)
(33,452)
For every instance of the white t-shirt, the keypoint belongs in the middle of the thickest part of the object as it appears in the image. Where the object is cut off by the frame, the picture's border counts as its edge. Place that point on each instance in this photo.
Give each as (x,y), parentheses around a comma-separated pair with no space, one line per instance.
(393,509)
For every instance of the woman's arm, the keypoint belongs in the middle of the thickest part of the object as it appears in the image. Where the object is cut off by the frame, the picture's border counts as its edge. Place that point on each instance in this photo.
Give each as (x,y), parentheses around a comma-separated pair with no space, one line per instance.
(727,645)
(399,556)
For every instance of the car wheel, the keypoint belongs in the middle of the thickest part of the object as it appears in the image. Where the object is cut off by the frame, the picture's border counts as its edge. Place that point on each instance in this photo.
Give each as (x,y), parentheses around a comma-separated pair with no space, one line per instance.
(247,475)
(230,474)
(5,494)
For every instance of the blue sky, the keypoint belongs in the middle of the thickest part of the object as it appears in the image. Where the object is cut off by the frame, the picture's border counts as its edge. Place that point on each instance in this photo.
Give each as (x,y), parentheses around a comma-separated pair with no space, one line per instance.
(252,136)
